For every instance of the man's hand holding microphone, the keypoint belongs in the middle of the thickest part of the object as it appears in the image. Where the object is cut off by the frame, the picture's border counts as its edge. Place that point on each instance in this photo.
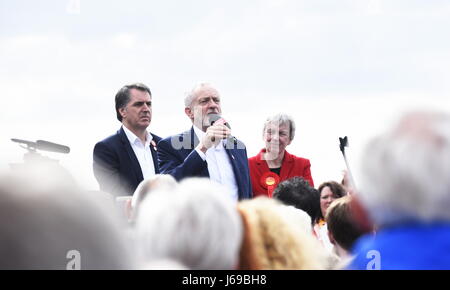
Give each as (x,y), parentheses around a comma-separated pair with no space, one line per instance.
(216,132)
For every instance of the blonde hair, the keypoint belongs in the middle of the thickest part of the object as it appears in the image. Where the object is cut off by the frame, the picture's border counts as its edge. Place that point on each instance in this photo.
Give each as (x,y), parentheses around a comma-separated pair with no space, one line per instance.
(274,241)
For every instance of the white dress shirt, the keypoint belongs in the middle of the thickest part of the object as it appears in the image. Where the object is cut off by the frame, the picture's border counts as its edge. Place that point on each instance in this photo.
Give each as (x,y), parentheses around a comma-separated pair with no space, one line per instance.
(142,152)
(219,165)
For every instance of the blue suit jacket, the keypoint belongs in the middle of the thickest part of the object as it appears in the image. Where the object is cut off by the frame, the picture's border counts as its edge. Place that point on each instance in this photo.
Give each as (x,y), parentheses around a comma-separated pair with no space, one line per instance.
(178,158)
(116,167)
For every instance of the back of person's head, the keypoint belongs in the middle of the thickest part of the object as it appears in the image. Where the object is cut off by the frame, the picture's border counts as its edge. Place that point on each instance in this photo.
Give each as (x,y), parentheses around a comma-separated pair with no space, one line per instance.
(277,237)
(157,182)
(47,222)
(300,218)
(297,192)
(196,225)
(341,223)
(405,171)
(164,264)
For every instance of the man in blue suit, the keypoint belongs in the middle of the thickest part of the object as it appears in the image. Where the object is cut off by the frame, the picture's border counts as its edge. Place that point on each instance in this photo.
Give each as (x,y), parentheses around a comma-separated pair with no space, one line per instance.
(124,159)
(206,150)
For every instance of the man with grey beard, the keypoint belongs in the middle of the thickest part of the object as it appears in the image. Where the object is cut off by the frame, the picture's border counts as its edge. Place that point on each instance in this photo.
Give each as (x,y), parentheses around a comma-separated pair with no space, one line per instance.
(208,149)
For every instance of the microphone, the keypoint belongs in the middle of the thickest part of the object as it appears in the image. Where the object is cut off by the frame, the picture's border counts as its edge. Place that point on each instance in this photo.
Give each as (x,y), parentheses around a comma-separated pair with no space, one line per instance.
(52,147)
(213,118)
(43,145)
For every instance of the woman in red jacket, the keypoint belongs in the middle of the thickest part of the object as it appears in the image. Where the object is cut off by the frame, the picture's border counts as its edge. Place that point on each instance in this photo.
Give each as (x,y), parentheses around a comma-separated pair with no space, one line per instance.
(274,164)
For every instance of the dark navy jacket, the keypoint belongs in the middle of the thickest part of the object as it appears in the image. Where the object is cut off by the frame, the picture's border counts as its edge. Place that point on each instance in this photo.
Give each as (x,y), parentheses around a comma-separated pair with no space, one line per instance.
(116,167)
(177,157)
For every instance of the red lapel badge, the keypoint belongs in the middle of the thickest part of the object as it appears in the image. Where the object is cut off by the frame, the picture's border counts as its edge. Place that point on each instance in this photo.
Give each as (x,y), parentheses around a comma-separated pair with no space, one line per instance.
(153,143)
(269,181)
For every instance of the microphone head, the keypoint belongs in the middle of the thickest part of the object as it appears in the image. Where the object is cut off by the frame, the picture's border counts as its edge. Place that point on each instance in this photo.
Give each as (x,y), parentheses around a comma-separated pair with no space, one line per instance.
(213,118)
(51,147)
(43,145)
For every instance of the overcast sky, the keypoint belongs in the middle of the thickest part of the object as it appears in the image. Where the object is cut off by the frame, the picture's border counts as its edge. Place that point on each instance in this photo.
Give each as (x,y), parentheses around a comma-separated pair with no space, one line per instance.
(339,67)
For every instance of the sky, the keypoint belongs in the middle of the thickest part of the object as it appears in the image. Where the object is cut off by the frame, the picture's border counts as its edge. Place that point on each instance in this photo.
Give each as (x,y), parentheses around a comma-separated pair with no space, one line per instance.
(338,67)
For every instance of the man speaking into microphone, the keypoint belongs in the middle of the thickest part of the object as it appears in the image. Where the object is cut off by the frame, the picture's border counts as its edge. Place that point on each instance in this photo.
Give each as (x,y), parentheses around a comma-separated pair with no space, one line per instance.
(208,149)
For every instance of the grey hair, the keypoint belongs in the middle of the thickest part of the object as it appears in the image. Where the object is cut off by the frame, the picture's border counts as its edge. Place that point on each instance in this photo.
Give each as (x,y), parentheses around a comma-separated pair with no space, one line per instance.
(282,118)
(156,182)
(197,225)
(405,171)
(191,95)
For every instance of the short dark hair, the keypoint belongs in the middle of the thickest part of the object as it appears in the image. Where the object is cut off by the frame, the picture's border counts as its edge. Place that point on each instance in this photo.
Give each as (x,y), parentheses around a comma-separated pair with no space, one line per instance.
(123,96)
(297,192)
(337,189)
(341,223)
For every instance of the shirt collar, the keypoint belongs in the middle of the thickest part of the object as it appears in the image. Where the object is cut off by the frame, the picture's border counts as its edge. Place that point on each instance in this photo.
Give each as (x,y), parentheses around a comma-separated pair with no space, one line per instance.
(133,138)
(199,133)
